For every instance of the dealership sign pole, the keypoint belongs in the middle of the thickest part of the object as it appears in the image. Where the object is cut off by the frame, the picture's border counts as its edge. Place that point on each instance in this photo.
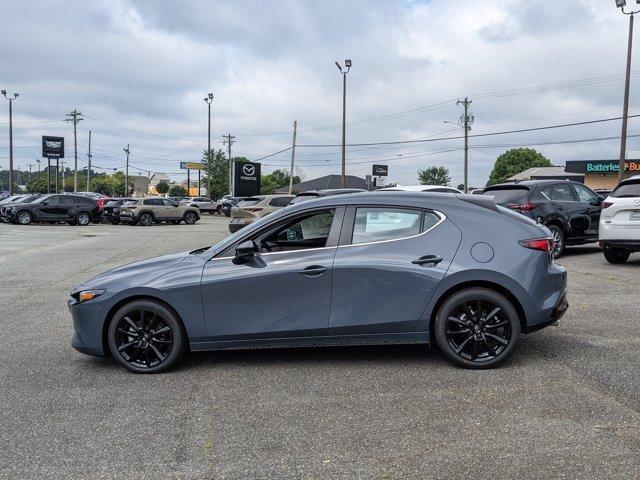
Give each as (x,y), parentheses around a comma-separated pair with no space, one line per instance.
(52,147)
(188,166)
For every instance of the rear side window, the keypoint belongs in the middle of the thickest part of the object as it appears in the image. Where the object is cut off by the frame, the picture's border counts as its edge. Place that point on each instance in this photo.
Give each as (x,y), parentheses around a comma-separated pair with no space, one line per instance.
(153,201)
(627,191)
(585,194)
(509,195)
(130,202)
(279,201)
(558,193)
(378,224)
(83,201)
(64,200)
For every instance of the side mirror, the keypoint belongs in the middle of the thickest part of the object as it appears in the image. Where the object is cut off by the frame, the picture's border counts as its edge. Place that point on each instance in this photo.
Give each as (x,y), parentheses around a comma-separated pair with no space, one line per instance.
(599,199)
(245,252)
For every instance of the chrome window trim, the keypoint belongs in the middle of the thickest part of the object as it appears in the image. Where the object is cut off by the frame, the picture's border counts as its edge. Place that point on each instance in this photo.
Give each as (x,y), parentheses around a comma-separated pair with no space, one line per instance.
(442,216)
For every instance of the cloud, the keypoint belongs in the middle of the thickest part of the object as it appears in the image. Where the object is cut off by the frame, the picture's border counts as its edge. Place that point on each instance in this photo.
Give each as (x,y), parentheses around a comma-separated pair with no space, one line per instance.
(145,66)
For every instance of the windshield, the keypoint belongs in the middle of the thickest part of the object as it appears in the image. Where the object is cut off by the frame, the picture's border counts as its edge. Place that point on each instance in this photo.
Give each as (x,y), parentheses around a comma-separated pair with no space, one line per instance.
(9,199)
(508,195)
(42,199)
(303,197)
(27,199)
(627,190)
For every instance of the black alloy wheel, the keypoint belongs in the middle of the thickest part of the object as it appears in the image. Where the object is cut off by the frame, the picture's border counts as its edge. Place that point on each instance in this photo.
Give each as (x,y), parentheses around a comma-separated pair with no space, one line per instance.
(558,240)
(190,218)
(145,219)
(83,218)
(615,255)
(477,328)
(24,217)
(146,337)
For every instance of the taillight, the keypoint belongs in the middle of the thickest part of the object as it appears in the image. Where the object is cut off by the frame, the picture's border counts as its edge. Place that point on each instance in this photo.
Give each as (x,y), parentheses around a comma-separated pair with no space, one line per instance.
(606,204)
(542,244)
(522,206)
(253,209)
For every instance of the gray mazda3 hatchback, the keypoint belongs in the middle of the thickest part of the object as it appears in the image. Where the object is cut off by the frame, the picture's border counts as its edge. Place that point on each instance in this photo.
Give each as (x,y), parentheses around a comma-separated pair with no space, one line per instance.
(365,268)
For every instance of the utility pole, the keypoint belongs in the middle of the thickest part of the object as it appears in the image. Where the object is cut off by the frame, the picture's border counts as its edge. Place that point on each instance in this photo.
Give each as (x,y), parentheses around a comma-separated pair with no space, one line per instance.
(293,155)
(627,81)
(38,162)
(347,64)
(29,165)
(74,118)
(89,169)
(62,176)
(466,120)
(126,173)
(229,140)
(11,99)
(208,99)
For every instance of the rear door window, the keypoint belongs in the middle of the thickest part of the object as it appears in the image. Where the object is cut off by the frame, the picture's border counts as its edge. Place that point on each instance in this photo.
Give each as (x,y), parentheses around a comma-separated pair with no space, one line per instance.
(280,202)
(558,193)
(379,224)
(247,202)
(585,194)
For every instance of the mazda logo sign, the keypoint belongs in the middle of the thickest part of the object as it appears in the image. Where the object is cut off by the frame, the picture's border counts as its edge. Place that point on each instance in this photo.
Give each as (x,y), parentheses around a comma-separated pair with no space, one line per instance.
(248,169)
(636,202)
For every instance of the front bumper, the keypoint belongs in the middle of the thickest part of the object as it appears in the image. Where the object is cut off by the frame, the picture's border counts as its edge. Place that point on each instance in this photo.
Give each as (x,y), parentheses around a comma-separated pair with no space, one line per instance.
(88,322)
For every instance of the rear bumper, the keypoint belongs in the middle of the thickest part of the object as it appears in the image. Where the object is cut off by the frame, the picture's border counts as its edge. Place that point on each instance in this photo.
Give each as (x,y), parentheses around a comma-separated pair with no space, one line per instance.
(556,314)
(630,245)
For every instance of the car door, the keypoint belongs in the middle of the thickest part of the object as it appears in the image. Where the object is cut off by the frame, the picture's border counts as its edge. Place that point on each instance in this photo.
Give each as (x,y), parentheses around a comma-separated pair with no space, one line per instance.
(284,291)
(568,207)
(171,210)
(592,206)
(50,209)
(388,266)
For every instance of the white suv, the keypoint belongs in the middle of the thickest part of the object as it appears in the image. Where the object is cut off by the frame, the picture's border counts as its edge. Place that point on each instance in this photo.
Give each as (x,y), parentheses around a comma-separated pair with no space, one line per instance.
(620,221)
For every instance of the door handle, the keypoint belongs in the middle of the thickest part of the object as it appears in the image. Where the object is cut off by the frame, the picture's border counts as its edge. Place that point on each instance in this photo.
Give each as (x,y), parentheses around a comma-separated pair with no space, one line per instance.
(433,259)
(313,271)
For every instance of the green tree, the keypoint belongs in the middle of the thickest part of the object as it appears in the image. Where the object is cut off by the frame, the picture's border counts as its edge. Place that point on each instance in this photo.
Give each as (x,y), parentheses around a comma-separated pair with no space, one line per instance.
(162,187)
(434,175)
(515,161)
(274,180)
(219,173)
(177,191)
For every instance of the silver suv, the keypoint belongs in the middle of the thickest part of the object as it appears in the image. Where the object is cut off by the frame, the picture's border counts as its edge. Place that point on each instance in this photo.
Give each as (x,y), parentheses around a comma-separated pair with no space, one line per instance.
(145,211)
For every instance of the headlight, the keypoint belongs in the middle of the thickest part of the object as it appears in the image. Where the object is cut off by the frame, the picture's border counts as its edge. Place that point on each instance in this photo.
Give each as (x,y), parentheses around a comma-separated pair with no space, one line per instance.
(86,295)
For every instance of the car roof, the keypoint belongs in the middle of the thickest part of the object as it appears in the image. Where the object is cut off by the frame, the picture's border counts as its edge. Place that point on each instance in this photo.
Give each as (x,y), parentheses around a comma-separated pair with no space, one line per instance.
(416,188)
(527,183)
(632,179)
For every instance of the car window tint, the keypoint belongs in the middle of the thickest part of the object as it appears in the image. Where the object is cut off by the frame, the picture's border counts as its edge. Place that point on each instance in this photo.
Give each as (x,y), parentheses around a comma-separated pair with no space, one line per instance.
(585,194)
(509,195)
(310,231)
(249,201)
(65,200)
(378,224)
(55,200)
(280,201)
(429,221)
(559,193)
(628,190)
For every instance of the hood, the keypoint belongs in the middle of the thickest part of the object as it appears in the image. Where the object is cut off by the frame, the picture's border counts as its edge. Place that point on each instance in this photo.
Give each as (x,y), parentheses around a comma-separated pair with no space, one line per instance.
(156,265)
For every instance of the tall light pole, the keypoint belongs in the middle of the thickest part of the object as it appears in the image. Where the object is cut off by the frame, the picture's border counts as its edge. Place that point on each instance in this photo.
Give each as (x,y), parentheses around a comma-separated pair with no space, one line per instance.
(38,162)
(625,109)
(208,99)
(11,99)
(347,64)
(126,173)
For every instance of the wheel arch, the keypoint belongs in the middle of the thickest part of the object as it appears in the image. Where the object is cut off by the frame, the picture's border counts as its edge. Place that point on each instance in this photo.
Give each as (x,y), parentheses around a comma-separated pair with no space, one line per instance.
(501,289)
(124,301)
(149,211)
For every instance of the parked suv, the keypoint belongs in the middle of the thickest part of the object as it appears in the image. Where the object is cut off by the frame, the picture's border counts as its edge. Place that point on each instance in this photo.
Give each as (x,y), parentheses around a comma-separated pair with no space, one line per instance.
(204,204)
(111,210)
(620,221)
(145,211)
(251,209)
(569,209)
(228,203)
(73,209)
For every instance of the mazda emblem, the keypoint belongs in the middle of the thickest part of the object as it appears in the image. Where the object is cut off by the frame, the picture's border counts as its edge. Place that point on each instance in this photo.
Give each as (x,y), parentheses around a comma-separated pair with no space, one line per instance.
(636,202)
(248,169)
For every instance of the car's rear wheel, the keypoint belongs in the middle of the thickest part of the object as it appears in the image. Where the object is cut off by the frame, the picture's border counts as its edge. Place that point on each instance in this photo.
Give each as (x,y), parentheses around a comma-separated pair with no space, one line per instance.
(558,240)
(145,219)
(24,217)
(190,218)
(83,218)
(477,328)
(146,337)
(616,255)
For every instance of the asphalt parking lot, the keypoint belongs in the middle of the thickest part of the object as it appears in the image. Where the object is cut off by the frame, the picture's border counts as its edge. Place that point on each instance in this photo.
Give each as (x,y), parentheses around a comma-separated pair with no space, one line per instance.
(567,405)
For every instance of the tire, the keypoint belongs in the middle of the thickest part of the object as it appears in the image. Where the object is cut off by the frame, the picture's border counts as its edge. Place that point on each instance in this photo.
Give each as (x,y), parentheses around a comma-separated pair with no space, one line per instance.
(559,240)
(219,209)
(24,217)
(139,342)
(615,255)
(82,219)
(472,342)
(190,218)
(145,219)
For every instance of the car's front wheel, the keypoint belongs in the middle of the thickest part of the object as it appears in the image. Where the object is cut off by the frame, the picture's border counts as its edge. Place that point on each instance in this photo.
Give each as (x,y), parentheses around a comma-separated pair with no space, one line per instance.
(24,217)
(190,218)
(145,219)
(616,255)
(477,328)
(146,337)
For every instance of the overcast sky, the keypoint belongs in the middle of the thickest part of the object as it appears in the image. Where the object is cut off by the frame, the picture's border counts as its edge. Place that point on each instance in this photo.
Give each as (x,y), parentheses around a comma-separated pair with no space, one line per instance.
(139,71)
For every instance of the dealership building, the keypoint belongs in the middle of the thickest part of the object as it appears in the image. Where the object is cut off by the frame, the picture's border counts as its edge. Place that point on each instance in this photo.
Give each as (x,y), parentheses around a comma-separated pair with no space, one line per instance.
(602,174)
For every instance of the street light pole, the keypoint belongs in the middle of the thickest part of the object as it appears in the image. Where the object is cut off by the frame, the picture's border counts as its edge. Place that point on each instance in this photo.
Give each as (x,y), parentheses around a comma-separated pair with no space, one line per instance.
(347,64)
(11,99)
(627,81)
(208,99)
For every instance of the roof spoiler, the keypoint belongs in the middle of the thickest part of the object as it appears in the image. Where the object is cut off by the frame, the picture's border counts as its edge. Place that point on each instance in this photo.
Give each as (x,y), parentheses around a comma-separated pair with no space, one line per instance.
(484,201)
